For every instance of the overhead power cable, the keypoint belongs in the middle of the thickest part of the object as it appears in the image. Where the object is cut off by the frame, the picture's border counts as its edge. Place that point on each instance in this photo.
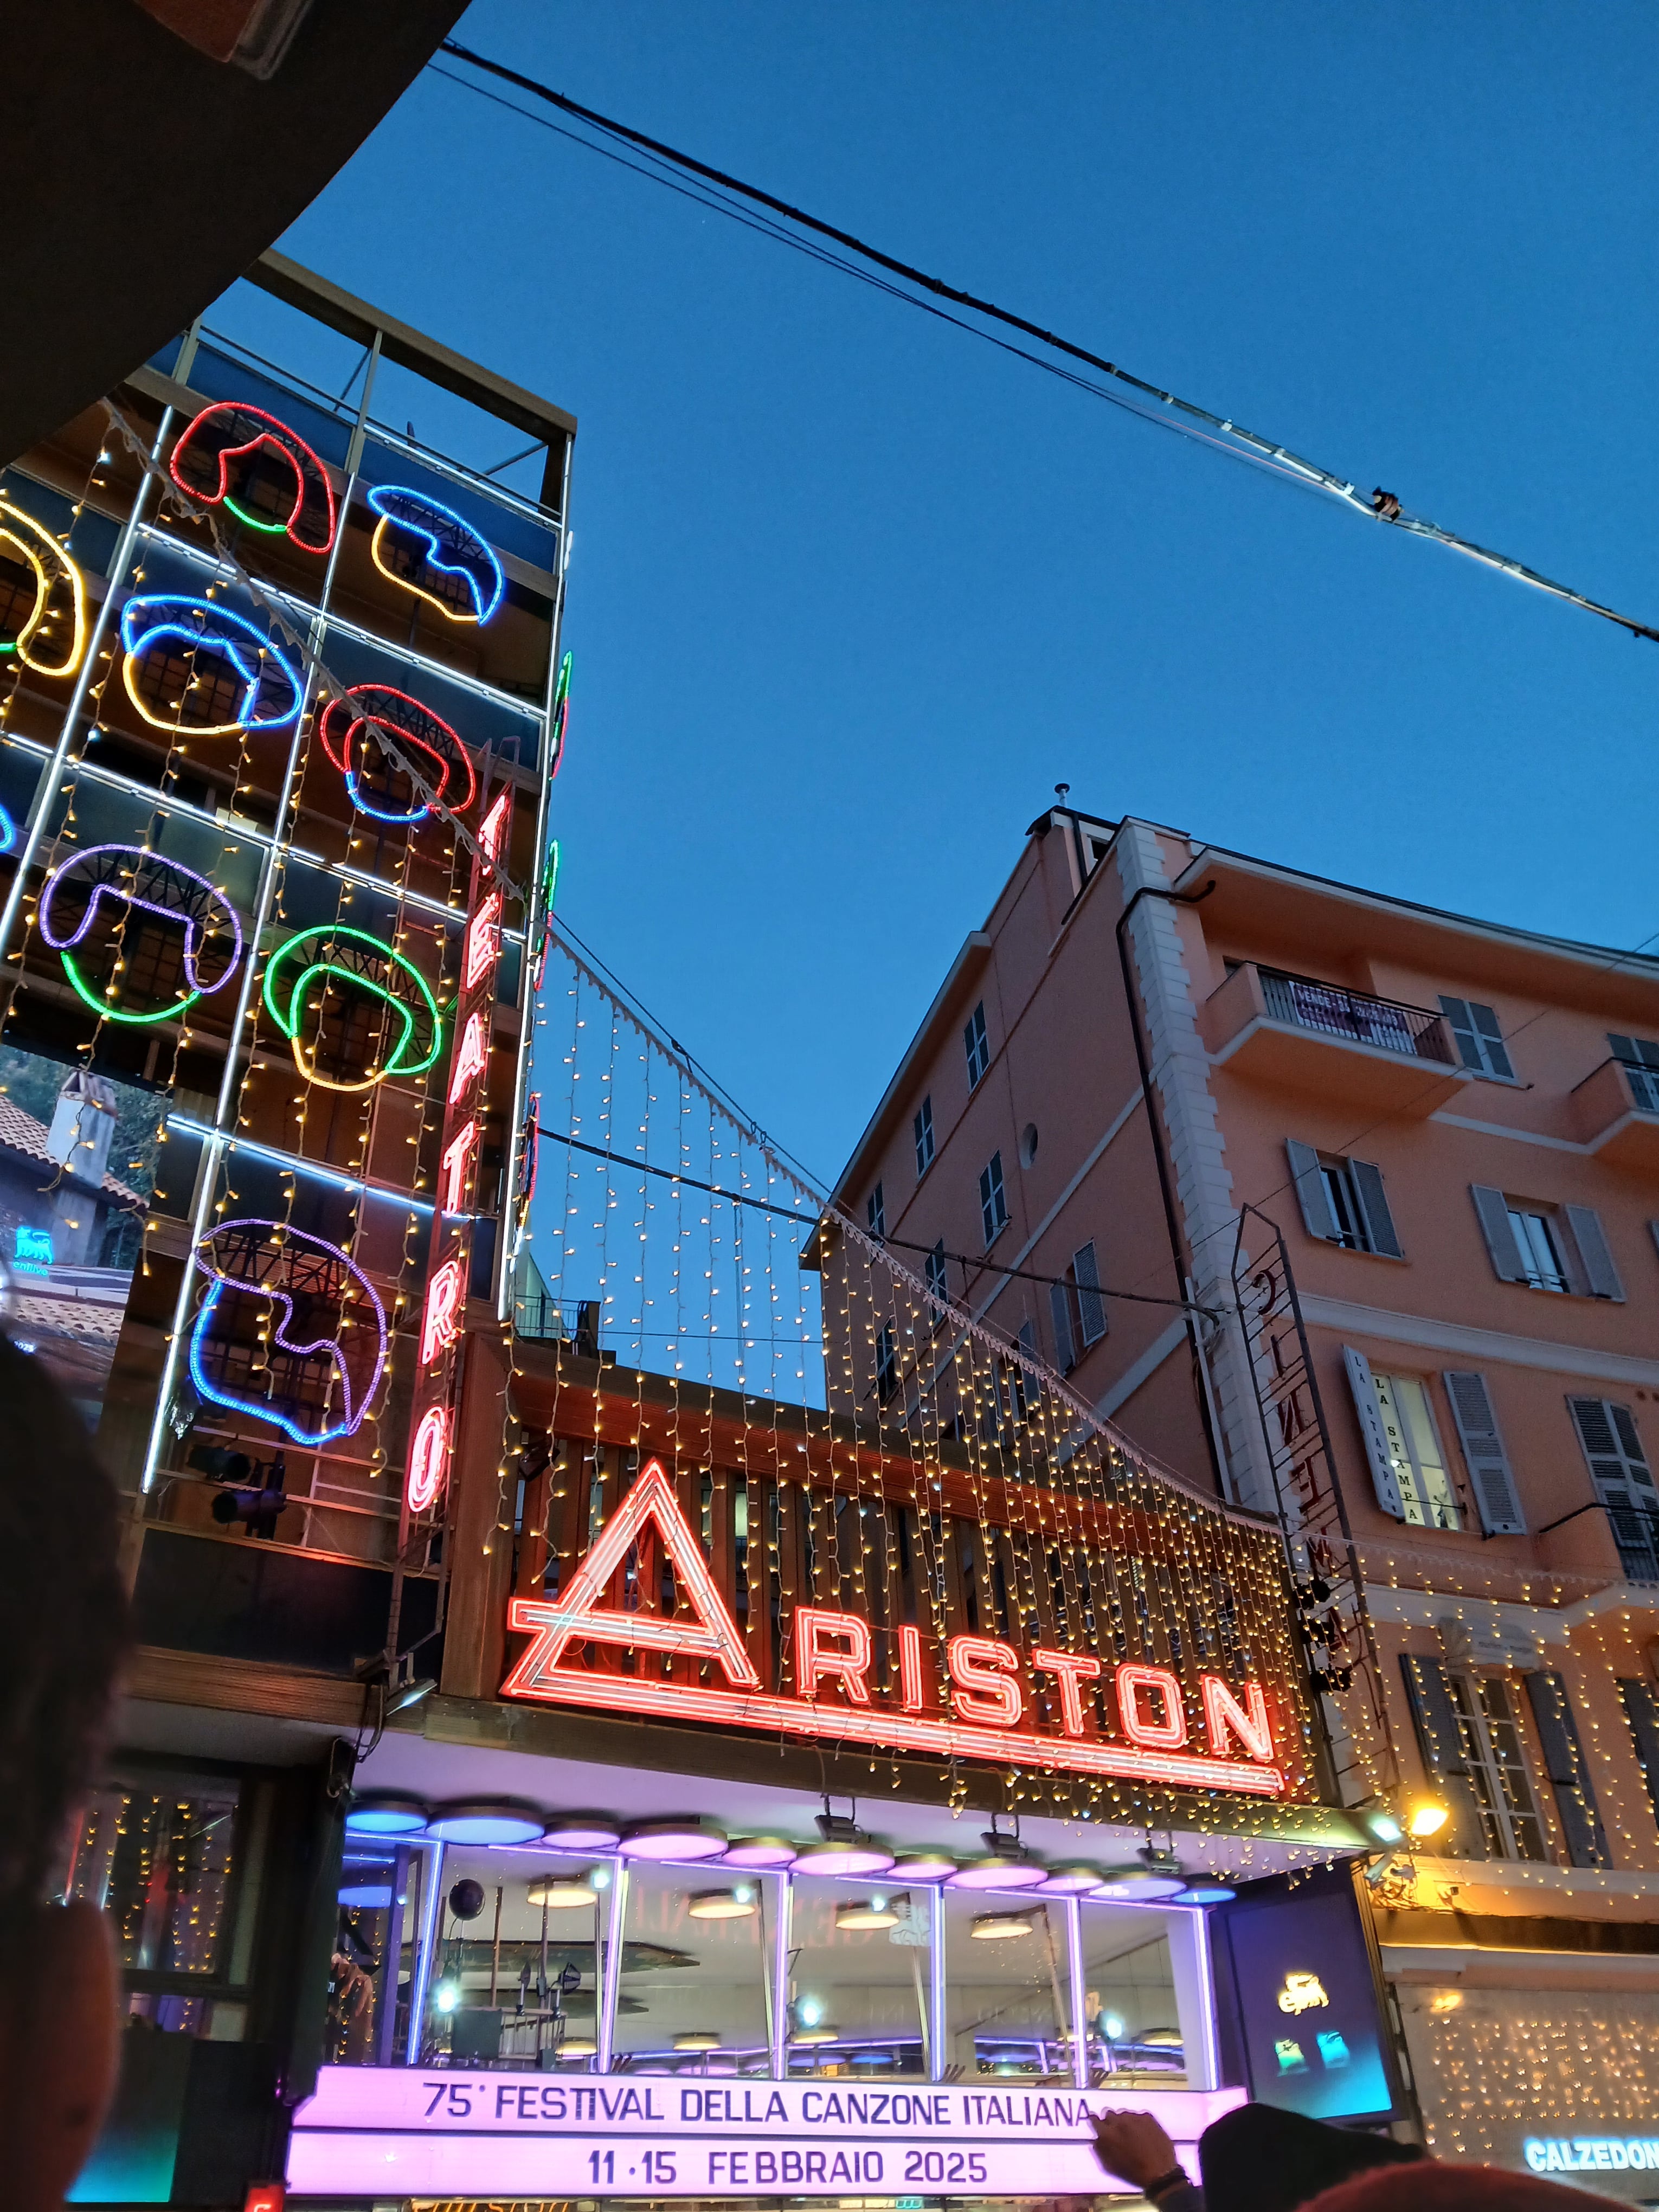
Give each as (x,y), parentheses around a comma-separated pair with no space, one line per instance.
(1221,432)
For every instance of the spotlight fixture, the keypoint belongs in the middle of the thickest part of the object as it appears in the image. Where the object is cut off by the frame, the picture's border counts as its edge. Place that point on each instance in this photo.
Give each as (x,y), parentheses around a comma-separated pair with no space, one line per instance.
(562,1893)
(385,1813)
(1382,1824)
(685,1841)
(1427,1817)
(486,1820)
(409,1693)
(1000,1927)
(446,1997)
(765,1853)
(737,1904)
(697,2039)
(876,1913)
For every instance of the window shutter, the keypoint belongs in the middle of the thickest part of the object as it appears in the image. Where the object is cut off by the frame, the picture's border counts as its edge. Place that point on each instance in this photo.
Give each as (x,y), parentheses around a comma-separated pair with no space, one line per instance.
(1642,1714)
(1494,1209)
(1387,1482)
(1316,1215)
(1483,1450)
(1060,1305)
(1564,1761)
(1492,1039)
(1091,1306)
(1603,1446)
(1457,1012)
(1653,1230)
(1373,1203)
(1600,1273)
(1435,1718)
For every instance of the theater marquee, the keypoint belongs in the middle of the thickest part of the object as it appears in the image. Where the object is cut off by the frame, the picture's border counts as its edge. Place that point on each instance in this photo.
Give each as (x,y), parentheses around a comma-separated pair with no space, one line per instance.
(1149,1727)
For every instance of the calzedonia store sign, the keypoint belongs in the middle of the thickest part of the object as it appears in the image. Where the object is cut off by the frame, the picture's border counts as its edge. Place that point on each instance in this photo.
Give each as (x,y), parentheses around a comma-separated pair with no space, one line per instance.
(394,2132)
(991,1711)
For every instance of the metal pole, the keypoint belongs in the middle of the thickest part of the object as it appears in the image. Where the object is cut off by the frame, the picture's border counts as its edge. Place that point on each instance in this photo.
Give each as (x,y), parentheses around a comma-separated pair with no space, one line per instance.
(936,1993)
(617,1928)
(781,1978)
(213,1146)
(386,2023)
(1079,1994)
(45,791)
(425,1934)
(1203,1979)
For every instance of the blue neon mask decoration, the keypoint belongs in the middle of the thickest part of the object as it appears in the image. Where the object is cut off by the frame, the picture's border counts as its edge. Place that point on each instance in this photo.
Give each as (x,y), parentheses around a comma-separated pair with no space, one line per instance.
(427,549)
(297,1273)
(272,691)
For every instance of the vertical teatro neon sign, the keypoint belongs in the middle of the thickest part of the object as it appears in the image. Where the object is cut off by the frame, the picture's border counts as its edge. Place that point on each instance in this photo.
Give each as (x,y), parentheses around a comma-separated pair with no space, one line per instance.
(443,1315)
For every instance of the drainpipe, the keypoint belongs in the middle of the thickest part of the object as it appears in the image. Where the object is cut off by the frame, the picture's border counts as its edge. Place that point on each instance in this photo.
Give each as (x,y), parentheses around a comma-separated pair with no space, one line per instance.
(1178,1251)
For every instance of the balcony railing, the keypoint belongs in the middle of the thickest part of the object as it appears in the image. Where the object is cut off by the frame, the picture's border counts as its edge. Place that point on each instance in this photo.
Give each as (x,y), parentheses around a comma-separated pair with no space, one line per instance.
(1355,1016)
(548,1320)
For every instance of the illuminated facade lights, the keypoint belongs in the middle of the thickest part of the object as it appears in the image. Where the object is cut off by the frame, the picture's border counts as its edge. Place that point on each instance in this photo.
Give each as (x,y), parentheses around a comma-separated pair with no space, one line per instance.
(427,549)
(355,960)
(233,444)
(205,638)
(270,1261)
(55,576)
(126,879)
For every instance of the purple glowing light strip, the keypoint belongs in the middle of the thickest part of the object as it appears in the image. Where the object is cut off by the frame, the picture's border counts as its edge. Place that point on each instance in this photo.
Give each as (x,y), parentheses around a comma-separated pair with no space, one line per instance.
(192,926)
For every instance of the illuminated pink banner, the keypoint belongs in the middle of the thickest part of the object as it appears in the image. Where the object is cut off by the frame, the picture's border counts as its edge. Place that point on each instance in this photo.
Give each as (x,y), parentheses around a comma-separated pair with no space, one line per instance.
(399,2131)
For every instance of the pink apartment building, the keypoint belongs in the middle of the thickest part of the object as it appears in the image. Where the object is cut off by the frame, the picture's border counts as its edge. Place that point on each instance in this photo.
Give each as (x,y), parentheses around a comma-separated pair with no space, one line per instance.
(1383,1260)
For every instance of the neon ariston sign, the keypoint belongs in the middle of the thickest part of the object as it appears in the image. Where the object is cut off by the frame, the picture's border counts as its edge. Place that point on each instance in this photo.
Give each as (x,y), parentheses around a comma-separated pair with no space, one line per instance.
(987,1714)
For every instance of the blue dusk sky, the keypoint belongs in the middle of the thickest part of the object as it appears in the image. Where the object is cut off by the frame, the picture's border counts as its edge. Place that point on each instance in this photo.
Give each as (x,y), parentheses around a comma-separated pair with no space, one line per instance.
(852,591)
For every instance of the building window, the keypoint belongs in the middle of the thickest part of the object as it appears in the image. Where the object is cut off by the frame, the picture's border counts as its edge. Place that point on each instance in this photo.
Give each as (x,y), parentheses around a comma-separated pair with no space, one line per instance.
(974,1044)
(1426,1496)
(1624,1482)
(1489,1737)
(992,1205)
(1639,1058)
(1480,1040)
(923,1129)
(886,1362)
(1343,1201)
(1078,1309)
(936,1278)
(1641,1705)
(875,1211)
(1541,1261)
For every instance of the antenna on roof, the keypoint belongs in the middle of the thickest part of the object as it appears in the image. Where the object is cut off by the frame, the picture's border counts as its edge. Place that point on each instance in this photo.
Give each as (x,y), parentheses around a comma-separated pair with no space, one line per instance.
(1060,791)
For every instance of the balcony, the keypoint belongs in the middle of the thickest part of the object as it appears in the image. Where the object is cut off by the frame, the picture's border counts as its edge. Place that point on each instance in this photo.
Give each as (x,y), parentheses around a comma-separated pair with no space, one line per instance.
(1297,1033)
(1615,1114)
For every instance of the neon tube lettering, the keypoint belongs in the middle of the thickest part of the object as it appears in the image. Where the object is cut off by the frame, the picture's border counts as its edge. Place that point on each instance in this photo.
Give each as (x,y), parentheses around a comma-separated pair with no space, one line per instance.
(910,1681)
(440,1318)
(470,1060)
(451,1171)
(493,828)
(1069,1669)
(837,1644)
(984,1673)
(1132,1683)
(483,943)
(429,1459)
(1223,1716)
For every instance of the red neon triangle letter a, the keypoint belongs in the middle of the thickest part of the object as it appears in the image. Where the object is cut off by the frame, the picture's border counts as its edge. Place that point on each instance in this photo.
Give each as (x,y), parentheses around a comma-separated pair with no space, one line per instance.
(576,1615)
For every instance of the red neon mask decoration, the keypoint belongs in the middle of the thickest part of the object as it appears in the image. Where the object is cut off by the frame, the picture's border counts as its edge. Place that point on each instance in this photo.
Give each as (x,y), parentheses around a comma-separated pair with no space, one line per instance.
(1223,1716)
(578,1612)
(493,828)
(470,1059)
(986,1677)
(910,1678)
(1132,1682)
(229,431)
(440,1322)
(451,1171)
(483,943)
(832,1643)
(1069,1668)
(429,1459)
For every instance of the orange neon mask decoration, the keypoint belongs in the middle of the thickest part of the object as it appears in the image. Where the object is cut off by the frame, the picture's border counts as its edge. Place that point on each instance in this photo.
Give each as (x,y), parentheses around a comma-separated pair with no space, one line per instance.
(441,1317)
(1135,1682)
(470,1059)
(428,1460)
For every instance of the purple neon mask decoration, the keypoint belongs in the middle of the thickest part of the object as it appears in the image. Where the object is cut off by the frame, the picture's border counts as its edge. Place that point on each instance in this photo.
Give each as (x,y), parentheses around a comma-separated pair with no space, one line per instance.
(130,876)
(270,1259)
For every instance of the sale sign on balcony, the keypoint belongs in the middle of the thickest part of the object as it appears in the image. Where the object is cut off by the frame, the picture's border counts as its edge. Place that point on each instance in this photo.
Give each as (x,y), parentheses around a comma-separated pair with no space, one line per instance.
(991,1708)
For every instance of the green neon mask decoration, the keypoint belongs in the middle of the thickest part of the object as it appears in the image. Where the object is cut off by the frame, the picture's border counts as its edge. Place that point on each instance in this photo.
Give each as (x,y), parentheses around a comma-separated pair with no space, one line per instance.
(286,1002)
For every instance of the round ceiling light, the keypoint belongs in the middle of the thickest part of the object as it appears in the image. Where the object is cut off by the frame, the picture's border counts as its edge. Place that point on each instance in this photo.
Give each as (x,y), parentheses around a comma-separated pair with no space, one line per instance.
(765,1853)
(1203,1892)
(845,1860)
(923,1866)
(816,2035)
(697,2039)
(1070,1881)
(676,1840)
(1142,1884)
(999,1874)
(1000,1927)
(875,1913)
(487,1821)
(578,2047)
(561,1895)
(581,1831)
(385,1813)
(366,1896)
(737,1904)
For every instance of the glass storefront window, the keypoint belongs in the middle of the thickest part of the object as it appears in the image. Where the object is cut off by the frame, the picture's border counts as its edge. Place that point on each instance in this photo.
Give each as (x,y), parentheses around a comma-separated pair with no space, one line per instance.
(695,1983)
(1007,1987)
(858,1980)
(160,1856)
(1129,1998)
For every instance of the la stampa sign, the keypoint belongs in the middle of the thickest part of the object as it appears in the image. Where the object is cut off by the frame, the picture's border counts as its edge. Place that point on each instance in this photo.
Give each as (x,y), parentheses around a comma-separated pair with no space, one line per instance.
(989,1712)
